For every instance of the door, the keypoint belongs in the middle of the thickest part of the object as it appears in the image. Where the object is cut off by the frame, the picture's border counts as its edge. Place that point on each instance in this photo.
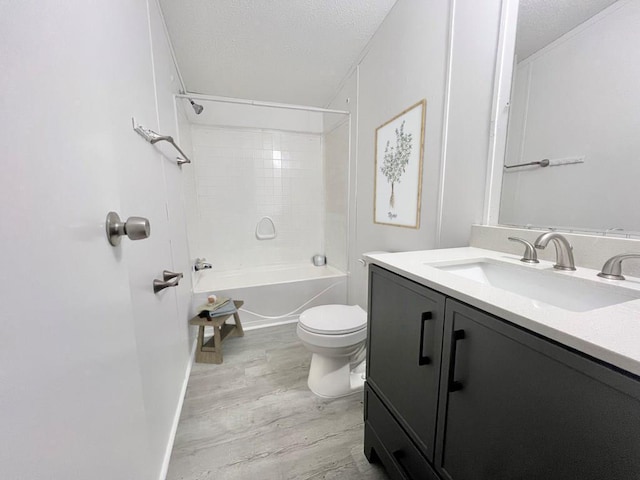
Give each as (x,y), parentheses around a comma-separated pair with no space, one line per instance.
(70,388)
(514,405)
(404,347)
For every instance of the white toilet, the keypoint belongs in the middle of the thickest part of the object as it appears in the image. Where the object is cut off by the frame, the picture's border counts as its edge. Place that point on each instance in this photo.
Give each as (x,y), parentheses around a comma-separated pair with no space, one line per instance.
(335,335)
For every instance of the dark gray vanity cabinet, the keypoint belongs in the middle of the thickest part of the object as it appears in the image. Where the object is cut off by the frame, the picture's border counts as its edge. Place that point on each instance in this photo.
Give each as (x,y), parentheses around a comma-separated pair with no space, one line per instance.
(510,404)
(514,405)
(403,357)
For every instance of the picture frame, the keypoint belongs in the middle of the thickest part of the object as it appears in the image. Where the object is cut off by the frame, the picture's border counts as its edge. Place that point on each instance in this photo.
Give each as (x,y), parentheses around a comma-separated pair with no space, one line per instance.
(399,151)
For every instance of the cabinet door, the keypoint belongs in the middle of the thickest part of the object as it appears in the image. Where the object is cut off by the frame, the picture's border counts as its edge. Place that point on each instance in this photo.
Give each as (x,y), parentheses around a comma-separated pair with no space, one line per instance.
(513,405)
(404,349)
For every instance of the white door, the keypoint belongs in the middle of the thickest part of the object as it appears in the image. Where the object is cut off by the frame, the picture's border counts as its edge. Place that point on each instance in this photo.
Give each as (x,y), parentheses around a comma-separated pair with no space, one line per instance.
(70,388)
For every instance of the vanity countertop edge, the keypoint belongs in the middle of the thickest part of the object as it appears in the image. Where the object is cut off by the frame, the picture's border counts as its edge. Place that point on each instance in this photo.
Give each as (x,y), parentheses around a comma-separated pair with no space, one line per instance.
(610,334)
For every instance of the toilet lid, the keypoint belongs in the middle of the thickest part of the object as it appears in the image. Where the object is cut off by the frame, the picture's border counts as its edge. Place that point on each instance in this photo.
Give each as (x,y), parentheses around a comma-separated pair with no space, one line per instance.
(334,319)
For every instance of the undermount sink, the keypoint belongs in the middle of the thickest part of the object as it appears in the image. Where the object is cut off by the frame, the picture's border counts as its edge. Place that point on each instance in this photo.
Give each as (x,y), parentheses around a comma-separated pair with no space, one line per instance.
(550,287)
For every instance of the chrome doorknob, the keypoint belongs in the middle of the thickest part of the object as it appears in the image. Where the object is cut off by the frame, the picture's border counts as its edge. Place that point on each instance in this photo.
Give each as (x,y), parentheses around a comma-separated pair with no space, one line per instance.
(136,228)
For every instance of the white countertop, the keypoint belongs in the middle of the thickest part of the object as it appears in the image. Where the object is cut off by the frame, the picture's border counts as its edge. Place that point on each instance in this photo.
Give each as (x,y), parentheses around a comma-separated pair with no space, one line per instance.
(610,334)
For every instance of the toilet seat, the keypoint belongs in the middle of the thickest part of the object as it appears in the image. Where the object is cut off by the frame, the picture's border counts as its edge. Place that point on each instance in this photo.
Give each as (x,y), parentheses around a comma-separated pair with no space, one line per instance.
(333,319)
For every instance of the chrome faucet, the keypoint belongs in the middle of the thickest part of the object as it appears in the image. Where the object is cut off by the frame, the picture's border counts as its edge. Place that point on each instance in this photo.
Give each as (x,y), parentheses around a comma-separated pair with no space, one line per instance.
(201,264)
(564,250)
(612,268)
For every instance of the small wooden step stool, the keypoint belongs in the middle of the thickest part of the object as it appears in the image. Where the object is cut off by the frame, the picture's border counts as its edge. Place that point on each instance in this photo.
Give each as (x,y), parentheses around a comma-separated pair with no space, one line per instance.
(211,351)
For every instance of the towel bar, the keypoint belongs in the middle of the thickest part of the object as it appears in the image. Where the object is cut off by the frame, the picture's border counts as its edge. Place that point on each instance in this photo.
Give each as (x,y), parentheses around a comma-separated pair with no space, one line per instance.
(154,137)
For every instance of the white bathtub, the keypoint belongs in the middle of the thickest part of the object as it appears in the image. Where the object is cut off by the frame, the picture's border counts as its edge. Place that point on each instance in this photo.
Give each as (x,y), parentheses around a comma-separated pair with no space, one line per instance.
(273,295)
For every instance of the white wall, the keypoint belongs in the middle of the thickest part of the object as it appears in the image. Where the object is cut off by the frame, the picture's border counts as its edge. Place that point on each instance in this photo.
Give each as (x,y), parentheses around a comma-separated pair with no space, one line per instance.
(578,97)
(91,362)
(347,100)
(243,175)
(474,43)
(161,328)
(336,192)
(406,61)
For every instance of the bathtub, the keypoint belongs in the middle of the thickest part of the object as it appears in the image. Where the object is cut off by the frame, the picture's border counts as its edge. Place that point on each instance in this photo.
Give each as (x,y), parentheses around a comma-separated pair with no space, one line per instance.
(273,295)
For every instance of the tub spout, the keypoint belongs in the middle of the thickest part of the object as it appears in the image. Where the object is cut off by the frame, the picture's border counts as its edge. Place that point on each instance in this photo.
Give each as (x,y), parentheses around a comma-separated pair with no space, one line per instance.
(201,264)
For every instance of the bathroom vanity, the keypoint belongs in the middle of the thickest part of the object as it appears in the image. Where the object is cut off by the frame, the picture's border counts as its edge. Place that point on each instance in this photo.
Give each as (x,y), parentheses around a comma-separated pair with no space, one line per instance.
(469,381)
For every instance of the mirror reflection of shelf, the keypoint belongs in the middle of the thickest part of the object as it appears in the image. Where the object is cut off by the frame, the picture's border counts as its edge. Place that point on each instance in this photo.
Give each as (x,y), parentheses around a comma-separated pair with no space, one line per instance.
(548,163)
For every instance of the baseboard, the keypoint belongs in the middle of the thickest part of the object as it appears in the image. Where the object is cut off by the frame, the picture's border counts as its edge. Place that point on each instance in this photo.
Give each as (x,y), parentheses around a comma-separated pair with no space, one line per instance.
(256,325)
(176,418)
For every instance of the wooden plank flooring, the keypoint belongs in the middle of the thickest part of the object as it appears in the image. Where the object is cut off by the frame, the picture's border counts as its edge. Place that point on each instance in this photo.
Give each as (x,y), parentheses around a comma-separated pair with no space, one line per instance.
(253,417)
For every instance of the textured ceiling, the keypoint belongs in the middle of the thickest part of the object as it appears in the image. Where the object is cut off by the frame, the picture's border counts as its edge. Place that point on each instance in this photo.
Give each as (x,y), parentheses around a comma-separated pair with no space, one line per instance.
(290,51)
(540,22)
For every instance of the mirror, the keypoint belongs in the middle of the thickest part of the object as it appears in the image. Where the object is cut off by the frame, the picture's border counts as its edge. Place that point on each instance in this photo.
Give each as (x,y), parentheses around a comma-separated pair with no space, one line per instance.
(575,101)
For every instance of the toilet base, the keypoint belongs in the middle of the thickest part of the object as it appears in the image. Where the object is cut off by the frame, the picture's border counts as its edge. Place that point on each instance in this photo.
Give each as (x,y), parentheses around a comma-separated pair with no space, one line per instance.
(332,377)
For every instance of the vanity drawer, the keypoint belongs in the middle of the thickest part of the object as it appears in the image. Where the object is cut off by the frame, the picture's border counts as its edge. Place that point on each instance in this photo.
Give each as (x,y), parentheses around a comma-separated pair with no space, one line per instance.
(400,456)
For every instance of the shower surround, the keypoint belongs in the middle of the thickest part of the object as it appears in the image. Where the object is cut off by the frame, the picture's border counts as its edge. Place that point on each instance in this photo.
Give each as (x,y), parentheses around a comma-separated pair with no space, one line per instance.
(251,163)
(242,175)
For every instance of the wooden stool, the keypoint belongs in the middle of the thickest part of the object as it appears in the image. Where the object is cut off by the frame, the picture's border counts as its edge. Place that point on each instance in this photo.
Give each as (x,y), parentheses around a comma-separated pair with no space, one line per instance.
(211,351)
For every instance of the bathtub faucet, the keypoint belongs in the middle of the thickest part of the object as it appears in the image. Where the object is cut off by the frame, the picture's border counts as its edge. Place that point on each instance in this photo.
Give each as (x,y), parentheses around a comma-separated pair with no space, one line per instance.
(201,264)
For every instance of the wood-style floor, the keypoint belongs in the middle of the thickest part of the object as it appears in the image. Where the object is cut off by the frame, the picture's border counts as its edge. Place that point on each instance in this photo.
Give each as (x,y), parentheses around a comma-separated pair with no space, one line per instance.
(254,418)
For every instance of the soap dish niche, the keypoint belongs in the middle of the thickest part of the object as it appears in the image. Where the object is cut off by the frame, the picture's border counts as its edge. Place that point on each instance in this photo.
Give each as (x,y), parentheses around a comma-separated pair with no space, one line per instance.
(266,229)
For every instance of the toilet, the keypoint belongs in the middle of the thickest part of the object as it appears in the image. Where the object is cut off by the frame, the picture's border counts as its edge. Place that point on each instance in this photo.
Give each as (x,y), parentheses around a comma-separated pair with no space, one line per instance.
(335,335)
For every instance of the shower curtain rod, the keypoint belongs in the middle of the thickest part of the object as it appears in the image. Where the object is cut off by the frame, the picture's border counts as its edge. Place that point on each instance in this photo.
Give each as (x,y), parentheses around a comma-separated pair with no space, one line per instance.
(256,103)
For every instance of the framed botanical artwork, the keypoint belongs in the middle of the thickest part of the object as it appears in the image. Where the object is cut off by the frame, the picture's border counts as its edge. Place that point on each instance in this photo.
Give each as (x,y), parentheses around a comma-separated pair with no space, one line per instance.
(398,168)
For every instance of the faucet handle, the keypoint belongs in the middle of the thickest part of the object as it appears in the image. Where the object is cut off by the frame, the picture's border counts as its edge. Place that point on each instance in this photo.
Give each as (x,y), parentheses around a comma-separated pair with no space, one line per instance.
(612,268)
(530,255)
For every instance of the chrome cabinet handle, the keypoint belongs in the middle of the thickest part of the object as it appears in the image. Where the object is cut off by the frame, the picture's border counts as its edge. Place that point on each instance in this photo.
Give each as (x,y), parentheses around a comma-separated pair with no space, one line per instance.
(136,228)
(171,279)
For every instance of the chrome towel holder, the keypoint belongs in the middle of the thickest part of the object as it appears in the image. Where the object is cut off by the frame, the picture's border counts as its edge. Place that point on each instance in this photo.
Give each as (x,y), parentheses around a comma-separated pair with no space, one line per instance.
(556,162)
(154,137)
(542,163)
